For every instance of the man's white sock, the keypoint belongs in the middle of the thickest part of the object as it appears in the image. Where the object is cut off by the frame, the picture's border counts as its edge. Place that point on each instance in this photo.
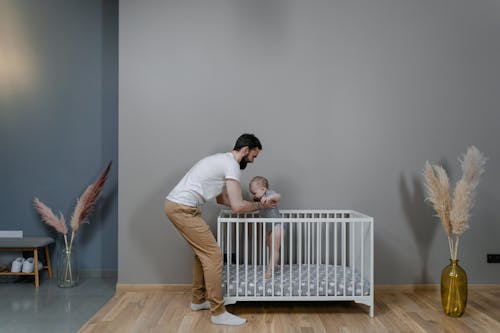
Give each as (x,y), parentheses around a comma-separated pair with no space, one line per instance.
(227,319)
(203,306)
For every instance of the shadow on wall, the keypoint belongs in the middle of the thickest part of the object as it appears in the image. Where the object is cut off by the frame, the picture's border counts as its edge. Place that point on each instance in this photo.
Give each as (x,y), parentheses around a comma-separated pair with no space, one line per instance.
(165,257)
(387,259)
(290,194)
(420,217)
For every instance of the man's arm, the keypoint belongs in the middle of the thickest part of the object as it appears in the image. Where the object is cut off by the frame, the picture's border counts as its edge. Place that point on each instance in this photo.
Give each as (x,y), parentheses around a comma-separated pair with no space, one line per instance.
(232,197)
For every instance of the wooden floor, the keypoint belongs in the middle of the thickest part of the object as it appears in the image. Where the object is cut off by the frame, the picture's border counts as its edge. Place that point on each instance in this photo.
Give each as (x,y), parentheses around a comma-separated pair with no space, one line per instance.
(397,309)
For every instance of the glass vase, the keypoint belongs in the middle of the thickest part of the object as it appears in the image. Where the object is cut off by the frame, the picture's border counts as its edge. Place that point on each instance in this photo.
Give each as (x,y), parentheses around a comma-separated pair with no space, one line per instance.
(453,289)
(67,268)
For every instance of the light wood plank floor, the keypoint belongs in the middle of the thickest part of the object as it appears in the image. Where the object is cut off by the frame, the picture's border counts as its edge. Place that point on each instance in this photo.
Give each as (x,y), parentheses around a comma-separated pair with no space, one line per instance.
(397,309)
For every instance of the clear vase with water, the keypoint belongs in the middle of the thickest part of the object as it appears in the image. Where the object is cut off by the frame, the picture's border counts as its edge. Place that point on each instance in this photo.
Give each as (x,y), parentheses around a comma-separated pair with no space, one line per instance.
(67,268)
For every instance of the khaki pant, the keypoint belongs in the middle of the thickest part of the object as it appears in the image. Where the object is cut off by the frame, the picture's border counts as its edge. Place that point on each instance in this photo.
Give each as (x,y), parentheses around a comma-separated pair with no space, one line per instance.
(207,267)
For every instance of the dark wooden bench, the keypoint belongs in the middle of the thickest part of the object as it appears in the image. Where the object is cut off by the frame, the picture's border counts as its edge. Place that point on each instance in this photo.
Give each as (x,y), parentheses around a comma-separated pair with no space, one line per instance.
(31,244)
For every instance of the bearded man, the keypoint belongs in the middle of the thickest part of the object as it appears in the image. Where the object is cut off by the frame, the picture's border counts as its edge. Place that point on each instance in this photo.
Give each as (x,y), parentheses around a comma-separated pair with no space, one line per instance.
(216,176)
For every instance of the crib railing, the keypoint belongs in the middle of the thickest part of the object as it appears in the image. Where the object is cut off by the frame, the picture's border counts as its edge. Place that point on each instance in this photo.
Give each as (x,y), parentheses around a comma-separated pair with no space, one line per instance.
(329,252)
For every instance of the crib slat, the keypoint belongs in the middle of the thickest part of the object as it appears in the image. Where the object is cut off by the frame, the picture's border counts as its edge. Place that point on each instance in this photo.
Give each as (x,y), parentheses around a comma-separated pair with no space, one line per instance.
(228,255)
(372,287)
(318,260)
(353,247)
(255,236)
(299,234)
(290,256)
(272,258)
(263,249)
(246,258)
(327,255)
(335,242)
(308,259)
(344,246)
(237,258)
(362,257)
(282,254)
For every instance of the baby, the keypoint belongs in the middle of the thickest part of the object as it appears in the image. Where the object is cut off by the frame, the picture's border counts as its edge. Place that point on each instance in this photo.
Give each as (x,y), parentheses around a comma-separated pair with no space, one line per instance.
(259,188)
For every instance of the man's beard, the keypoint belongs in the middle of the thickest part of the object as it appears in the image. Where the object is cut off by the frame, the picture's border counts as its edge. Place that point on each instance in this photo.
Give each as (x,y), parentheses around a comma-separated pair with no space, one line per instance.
(243,163)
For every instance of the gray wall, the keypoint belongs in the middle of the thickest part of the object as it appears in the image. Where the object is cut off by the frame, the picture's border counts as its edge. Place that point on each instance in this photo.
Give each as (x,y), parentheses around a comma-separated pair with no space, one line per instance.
(59,117)
(349,98)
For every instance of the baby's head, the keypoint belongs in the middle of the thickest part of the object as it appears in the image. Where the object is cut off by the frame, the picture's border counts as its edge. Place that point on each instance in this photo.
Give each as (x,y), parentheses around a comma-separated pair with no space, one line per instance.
(258,187)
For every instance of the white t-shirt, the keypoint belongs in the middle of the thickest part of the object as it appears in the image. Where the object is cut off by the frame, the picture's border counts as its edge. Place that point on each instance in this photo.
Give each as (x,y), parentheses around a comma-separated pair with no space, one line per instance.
(205,180)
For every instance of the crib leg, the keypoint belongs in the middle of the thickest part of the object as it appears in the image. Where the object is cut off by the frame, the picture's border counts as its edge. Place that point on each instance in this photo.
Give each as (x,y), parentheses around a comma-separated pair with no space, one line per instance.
(370,304)
(229,301)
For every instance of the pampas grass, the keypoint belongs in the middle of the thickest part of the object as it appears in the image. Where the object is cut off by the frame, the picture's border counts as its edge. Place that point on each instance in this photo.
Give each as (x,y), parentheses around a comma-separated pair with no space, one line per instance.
(85,204)
(438,193)
(84,207)
(51,219)
(454,212)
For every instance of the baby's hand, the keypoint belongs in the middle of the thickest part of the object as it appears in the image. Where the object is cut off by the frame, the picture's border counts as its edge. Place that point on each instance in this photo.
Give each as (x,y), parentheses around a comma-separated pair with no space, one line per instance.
(268,202)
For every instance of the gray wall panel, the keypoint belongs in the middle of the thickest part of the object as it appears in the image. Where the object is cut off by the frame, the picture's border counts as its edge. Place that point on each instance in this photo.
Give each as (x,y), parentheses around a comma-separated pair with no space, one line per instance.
(349,98)
(58,117)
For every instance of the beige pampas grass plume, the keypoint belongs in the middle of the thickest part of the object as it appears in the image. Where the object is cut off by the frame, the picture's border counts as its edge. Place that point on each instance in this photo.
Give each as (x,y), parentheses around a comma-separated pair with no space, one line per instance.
(472,163)
(454,213)
(462,202)
(438,193)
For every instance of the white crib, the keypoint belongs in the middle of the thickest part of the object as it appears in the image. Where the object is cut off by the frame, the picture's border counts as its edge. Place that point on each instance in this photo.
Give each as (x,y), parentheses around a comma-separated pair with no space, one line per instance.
(325,255)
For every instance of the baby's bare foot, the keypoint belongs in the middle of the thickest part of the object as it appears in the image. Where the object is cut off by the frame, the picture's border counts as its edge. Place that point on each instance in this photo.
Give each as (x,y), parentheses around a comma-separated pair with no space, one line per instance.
(269,274)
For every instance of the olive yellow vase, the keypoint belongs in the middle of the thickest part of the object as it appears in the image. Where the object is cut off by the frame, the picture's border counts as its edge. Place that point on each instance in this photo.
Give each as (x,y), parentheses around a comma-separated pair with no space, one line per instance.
(453,289)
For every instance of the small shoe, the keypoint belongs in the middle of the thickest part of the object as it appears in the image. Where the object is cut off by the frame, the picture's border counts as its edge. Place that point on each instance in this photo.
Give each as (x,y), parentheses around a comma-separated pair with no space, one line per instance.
(227,319)
(202,306)
(28,266)
(17,265)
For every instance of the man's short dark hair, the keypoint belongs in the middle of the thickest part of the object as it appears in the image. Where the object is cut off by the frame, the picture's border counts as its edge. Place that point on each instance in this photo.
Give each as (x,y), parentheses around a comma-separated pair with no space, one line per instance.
(249,140)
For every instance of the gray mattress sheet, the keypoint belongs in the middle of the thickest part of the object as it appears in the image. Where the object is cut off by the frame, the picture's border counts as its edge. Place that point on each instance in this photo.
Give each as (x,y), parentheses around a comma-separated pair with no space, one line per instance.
(303,281)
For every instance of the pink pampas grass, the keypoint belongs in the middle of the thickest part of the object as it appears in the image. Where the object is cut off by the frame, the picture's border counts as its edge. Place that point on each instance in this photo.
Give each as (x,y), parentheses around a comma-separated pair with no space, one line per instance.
(85,204)
(50,218)
(84,207)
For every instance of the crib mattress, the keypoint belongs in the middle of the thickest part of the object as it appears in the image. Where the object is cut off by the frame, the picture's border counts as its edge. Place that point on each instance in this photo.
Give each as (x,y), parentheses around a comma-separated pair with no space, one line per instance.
(303,281)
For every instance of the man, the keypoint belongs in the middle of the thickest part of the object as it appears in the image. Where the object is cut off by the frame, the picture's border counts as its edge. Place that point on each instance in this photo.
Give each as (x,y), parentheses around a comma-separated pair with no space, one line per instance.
(217,176)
